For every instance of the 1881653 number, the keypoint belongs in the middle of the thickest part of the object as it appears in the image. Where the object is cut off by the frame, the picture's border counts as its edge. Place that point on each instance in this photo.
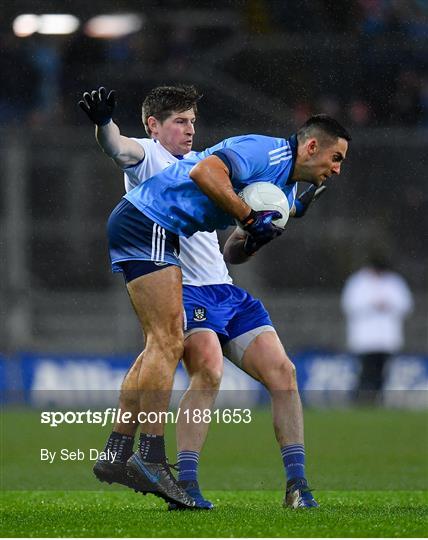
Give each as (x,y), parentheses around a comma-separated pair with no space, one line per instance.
(226,416)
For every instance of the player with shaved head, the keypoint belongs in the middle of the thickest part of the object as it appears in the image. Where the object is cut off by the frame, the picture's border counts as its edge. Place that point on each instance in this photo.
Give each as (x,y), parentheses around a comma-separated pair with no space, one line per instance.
(198,193)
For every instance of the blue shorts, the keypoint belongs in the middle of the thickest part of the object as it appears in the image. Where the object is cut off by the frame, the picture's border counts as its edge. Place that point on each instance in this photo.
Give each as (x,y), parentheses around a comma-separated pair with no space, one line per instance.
(135,237)
(226,309)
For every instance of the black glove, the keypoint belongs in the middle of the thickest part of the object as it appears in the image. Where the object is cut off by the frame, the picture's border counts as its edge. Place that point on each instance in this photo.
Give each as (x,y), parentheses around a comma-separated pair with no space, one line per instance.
(304,200)
(260,229)
(98,105)
(251,245)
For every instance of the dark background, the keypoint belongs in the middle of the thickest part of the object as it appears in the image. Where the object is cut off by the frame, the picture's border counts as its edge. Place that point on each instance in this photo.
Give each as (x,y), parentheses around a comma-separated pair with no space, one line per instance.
(264,67)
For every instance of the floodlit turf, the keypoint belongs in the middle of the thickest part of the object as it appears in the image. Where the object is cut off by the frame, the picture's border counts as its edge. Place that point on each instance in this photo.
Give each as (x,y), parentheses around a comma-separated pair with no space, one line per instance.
(369,468)
(253,514)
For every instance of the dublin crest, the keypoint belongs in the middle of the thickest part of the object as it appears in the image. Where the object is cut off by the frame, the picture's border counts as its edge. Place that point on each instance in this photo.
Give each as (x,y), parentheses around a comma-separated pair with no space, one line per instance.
(199,314)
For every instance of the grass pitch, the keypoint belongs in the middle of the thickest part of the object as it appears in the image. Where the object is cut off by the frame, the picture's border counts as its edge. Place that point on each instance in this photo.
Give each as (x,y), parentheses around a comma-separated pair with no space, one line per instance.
(369,469)
(242,514)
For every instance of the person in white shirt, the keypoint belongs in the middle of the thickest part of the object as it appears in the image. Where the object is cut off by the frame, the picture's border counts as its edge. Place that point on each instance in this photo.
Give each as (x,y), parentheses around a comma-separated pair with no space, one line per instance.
(376,302)
(220,318)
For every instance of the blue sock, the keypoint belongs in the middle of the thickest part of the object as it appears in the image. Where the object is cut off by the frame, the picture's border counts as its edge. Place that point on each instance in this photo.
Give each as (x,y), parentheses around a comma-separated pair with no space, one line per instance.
(188,465)
(293,456)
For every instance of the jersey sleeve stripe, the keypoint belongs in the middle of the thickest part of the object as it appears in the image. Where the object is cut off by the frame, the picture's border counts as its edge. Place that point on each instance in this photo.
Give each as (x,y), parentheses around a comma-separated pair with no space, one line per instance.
(286,147)
(277,156)
(285,158)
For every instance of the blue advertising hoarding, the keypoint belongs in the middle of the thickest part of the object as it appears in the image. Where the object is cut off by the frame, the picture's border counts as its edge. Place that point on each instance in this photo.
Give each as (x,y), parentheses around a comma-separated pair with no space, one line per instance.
(324,379)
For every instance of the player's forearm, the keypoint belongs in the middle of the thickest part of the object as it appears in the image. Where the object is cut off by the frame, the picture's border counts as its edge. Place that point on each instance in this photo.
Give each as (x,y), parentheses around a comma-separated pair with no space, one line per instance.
(233,252)
(212,177)
(109,138)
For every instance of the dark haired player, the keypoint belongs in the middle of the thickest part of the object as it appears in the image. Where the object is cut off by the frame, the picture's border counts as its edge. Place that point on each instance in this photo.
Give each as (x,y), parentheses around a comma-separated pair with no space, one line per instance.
(246,349)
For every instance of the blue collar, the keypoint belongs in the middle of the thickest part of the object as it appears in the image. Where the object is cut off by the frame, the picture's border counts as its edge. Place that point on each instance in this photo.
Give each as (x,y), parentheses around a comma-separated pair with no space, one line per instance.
(293,145)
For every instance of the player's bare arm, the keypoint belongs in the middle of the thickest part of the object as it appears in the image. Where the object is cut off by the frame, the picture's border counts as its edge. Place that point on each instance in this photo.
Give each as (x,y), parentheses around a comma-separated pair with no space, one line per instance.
(99,106)
(233,252)
(212,177)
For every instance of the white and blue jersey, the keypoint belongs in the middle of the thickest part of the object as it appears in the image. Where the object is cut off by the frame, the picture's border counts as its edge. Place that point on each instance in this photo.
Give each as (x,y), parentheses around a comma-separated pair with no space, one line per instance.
(175,202)
(201,260)
(211,302)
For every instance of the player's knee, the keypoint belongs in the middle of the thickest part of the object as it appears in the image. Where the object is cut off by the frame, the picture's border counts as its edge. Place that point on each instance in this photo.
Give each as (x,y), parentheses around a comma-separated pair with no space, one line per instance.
(173,352)
(282,376)
(287,374)
(208,377)
(176,348)
(169,347)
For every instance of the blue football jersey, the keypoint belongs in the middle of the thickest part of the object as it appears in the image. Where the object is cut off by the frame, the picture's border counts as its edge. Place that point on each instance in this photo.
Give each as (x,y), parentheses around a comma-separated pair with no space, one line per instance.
(175,202)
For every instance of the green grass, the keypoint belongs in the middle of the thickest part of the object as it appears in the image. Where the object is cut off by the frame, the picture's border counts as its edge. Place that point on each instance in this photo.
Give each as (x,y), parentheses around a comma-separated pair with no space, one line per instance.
(242,514)
(369,468)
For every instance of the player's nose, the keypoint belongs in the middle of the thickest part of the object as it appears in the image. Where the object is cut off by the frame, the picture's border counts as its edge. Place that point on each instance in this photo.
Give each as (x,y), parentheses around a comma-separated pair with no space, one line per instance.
(190,128)
(335,168)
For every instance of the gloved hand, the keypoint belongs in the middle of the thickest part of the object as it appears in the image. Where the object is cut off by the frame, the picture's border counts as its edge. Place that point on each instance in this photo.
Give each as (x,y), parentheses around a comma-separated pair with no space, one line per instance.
(260,229)
(251,245)
(98,105)
(304,200)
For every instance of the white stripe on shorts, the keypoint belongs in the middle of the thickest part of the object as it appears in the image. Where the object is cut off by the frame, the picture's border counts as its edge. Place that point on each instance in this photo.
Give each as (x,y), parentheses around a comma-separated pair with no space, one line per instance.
(158,243)
(152,256)
(162,253)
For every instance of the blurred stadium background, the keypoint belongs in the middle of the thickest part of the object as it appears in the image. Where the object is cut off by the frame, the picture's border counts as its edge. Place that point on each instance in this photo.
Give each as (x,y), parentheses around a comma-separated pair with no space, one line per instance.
(263,66)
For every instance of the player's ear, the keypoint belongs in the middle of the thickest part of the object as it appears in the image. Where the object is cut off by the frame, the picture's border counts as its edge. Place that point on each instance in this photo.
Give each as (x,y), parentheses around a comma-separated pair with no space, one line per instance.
(312,146)
(153,125)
